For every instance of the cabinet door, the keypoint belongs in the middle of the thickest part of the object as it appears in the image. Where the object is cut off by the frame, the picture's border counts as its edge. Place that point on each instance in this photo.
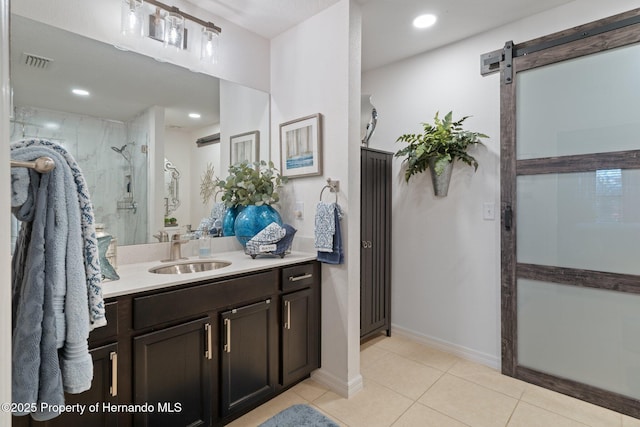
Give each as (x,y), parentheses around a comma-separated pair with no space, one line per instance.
(249,356)
(104,388)
(300,336)
(172,372)
(375,252)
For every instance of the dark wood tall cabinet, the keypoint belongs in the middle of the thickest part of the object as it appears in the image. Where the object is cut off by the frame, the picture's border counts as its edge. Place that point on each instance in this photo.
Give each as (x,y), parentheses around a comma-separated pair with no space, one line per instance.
(375,244)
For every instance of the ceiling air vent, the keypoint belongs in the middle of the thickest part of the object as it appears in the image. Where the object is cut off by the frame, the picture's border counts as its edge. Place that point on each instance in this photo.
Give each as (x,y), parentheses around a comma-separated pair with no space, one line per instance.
(35,61)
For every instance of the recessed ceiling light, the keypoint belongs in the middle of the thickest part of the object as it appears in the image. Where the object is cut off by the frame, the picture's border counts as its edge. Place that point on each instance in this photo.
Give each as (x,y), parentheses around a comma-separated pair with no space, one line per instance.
(424,21)
(52,125)
(194,115)
(80,92)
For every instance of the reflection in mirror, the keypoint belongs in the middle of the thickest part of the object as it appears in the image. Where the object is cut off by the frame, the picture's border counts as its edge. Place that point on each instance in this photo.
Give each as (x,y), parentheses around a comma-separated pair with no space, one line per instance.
(137,114)
(116,130)
(172,188)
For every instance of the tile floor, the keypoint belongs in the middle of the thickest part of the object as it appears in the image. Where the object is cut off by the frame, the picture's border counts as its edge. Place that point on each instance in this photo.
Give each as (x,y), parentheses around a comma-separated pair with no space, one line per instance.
(407,384)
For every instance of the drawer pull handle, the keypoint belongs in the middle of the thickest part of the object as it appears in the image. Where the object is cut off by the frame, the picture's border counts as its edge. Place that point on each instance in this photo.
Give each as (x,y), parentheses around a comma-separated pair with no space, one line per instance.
(227,344)
(287,324)
(113,390)
(209,353)
(301,277)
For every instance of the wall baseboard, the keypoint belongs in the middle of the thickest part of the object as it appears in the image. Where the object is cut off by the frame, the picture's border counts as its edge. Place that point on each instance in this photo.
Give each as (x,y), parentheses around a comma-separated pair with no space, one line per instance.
(337,385)
(458,350)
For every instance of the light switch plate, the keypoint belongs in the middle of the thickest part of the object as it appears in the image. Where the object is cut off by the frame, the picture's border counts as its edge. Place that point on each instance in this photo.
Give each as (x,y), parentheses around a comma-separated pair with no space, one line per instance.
(489,211)
(298,210)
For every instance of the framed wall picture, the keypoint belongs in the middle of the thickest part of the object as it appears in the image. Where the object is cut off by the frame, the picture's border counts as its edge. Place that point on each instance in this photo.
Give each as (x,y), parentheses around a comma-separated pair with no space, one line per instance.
(301,146)
(244,147)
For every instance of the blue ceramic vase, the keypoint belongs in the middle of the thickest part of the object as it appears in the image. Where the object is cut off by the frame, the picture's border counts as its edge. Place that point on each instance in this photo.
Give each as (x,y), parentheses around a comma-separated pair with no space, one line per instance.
(229,220)
(252,220)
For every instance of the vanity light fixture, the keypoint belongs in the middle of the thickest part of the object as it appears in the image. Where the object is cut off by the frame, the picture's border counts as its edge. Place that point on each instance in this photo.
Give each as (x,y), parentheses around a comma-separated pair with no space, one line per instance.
(167,24)
(80,92)
(194,115)
(174,29)
(424,21)
(209,44)
(132,18)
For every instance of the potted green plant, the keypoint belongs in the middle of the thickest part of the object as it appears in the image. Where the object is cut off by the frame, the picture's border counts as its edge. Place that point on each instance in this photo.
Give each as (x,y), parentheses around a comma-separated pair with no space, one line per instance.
(248,192)
(436,148)
(251,184)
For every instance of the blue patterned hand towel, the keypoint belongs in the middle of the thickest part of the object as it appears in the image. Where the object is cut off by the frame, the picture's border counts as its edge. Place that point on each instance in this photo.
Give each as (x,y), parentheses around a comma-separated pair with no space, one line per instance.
(336,256)
(325,226)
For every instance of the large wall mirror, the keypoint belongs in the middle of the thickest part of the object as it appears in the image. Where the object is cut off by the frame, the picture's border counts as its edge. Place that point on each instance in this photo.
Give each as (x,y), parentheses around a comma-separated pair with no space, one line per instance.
(137,114)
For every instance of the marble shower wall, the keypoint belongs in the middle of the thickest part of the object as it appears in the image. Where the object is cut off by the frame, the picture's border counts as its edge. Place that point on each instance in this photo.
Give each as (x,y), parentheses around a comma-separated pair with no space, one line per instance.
(89,140)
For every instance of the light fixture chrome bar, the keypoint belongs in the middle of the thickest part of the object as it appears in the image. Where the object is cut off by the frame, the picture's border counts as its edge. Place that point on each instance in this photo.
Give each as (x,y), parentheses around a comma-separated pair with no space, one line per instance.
(185,15)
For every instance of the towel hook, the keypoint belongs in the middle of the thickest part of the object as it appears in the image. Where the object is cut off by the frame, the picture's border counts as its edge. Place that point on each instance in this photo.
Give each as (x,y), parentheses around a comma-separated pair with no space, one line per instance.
(41,164)
(333,186)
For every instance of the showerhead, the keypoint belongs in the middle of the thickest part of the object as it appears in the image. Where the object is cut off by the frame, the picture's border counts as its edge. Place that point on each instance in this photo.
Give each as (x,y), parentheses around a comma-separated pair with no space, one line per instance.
(119,150)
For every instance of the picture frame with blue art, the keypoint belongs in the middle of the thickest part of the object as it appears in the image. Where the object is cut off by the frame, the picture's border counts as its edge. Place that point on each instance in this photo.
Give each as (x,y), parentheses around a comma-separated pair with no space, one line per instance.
(301,146)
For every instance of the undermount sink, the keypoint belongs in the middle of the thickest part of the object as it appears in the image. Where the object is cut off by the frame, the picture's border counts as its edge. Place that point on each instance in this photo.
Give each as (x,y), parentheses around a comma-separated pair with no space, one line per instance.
(189,267)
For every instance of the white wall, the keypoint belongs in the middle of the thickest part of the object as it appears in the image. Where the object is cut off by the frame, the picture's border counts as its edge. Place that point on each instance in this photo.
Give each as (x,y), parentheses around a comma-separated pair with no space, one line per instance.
(311,67)
(200,158)
(446,258)
(5,200)
(245,110)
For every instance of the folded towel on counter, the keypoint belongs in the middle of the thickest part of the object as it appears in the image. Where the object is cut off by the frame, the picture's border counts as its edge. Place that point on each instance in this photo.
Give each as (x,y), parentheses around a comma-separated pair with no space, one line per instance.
(325,226)
(276,242)
(271,234)
(91,257)
(51,288)
(336,256)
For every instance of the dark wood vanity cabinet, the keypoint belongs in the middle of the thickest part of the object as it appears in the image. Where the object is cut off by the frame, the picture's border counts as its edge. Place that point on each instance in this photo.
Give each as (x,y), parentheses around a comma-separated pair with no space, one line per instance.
(201,354)
(173,374)
(249,355)
(104,387)
(300,323)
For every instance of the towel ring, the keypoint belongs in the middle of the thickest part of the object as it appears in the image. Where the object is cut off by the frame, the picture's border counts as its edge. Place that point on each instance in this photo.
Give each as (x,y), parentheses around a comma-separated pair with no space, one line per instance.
(331,189)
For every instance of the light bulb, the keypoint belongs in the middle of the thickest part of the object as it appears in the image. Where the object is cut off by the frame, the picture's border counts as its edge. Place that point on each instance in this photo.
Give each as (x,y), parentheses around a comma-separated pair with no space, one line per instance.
(209,47)
(132,18)
(174,30)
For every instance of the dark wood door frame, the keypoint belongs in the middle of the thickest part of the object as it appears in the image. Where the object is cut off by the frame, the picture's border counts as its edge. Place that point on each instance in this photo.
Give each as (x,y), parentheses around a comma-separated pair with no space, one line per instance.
(621,30)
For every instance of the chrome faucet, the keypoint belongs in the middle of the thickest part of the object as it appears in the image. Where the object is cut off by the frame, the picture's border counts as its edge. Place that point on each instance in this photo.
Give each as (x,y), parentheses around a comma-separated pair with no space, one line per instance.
(162,236)
(176,248)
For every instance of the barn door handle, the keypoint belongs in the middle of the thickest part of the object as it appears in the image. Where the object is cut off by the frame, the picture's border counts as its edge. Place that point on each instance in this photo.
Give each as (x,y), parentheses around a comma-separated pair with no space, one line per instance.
(508,218)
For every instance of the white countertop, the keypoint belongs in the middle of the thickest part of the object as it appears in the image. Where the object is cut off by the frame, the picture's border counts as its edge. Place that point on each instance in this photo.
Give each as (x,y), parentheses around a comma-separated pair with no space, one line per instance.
(137,278)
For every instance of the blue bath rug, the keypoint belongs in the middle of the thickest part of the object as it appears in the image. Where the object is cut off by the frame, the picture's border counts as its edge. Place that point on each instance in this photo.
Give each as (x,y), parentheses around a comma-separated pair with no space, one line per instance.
(299,416)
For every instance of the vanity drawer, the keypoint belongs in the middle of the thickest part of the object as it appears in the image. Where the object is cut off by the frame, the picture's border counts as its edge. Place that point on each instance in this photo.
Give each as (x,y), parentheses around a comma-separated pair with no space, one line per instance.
(168,306)
(299,276)
(110,330)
